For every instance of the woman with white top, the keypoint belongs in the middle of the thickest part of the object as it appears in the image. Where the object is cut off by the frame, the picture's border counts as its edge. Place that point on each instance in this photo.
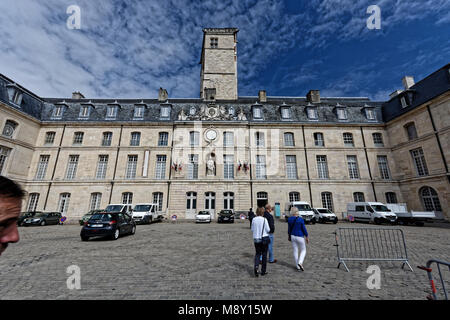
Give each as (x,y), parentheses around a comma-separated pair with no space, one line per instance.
(298,236)
(260,229)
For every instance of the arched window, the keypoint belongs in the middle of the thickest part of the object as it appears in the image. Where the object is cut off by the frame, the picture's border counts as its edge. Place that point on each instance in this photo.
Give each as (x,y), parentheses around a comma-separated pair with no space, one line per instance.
(358,197)
(430,199)
(327,200)
(127,198)
(289,139)
(318,139)
(294,196)
(107,138)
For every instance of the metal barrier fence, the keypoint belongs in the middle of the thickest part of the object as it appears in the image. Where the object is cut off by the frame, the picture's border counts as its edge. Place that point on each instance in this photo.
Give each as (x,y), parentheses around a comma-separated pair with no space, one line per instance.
(430,277)
(371,244)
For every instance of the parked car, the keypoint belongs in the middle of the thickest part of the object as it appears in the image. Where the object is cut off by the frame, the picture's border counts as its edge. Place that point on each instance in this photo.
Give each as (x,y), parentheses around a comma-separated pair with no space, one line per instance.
(203,216)
(146,213)
(88,215)
(42,219)
(112,225)
(24,215)
(304,210)
(122,208)
(226,216)
(323,215)
(375,212)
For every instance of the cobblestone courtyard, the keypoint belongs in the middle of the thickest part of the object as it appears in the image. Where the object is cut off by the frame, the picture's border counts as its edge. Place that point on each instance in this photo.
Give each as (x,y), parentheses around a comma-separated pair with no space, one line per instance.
(210,261)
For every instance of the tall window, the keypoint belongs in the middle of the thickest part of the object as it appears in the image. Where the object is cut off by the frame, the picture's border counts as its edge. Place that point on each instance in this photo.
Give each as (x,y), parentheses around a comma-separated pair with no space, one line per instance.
(419,162)
(165,112)
(352,164)
(384,167)
(84,111)
(33,201)
(294,196)
(430,199)
(257,113)
(102,165)
(228,166)
(191,200)
(193,167)
(78,138)
(358,197)
(348,139)
(111,112)
(64,199)
(370,114)
(391,197)
(312,113)
(42,167)
(96,200)
(411,131)
(341,114)
(9,128)
(158,199)
(107,138)
(210,200)
(160,167)
(286,113)
(318,139)
(291,167)
(322,167)
(138,112)
(228,139)
(163,139)
(72,167)
(4,152)
(327,200)
(135,139)
(127,198)
(259,138)
(131,167)
(261,167)
(378,139)
(194,138)
(228,200)
(49,137)
(289,139)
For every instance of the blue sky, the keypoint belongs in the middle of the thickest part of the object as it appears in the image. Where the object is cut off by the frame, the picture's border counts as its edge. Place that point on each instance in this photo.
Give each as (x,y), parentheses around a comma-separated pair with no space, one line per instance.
(128,49)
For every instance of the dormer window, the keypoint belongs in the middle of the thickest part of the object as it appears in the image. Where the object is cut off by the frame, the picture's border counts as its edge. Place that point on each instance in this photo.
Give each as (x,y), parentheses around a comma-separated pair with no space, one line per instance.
(138,112)
(214,42)
(14,95)
(286,113)
(370,114)
(165,112)
(58,111)
(85,111)
(111,111)
(312,113)
(403,102)
(341,113)
(257,112)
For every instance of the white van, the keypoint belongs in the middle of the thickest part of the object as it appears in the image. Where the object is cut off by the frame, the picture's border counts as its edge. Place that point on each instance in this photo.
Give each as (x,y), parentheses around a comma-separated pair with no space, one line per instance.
(146,213)
(304,209)
(376,212)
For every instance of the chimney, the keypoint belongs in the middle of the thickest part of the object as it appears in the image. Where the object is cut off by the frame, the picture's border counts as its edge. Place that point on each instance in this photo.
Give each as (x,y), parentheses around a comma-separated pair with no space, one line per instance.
(408,82)
(77,95)
(162,95)
(210,94)
(262,96)
(313,96)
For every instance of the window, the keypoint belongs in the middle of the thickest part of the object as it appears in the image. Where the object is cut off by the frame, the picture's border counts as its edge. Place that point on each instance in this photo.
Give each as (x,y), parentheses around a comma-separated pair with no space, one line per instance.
(370,114)
(107,138)
(111,112)
(228,166)
(327,200)
(127,198)
(160,167)
(214,42)
(4,152)
(352,164)
(192,111)
(403,102)
(322,167)
(384,167)
(138,112)
(102,165)
(165,112)
(163,139)
(291,167)
(341,113)
(50,137)
(378,139)
(193,167)
(33,201)
(286,113)
(14,95)
(289,139)
(194,138)
(131,167)
(64,199)
(57,112)
(259,138)
(96,199)
(158,199)
(312,113)
(294,196)
(411,131)
(430,199)
(261,167)
(210,201)
(191,200)
(257,113)
(9,128)
(228,139)
(358,197)
(84,111)
(391,197)
(42,167)
(261,199)
(419,162)
(228,200)
(135,139)
(72,167)
(348,139)
(78,138)
(318,139)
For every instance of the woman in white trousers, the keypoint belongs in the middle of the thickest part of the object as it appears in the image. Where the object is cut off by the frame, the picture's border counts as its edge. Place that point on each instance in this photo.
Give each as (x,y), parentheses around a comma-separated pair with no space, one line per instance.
(299,237)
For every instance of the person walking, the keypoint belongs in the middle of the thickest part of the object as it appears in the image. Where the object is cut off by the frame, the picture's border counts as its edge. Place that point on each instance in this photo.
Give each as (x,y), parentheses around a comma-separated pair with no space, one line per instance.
(260,230)
(269,217)
(251,215)
(298,235)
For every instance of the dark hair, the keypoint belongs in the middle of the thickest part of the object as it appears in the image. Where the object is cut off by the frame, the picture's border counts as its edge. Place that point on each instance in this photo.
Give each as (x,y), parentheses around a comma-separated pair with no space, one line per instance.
(260,212)
(10,189)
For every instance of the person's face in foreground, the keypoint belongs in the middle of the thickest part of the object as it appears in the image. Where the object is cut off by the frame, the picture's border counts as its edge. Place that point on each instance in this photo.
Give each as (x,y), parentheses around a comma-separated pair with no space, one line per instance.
(9,212)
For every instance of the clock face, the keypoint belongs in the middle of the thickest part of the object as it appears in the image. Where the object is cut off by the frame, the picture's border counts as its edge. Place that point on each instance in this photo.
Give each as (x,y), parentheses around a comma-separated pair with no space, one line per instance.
(211,134)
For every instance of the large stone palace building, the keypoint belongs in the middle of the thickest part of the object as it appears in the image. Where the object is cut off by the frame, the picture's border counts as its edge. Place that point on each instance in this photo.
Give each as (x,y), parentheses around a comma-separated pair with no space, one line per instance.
(223,151)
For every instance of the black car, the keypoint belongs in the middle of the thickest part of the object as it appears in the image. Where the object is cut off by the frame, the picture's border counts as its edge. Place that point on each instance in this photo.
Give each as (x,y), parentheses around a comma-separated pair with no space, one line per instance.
(42,219)
(108,224)
(24,215)
(226,216)
(88,215)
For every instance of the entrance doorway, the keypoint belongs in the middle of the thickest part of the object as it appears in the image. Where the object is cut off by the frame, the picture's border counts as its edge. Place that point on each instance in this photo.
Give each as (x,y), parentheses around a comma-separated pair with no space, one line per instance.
(210,203)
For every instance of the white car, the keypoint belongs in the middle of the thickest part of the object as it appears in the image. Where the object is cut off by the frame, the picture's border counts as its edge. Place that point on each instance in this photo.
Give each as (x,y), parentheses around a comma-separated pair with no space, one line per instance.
(203,216)
(324,215)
